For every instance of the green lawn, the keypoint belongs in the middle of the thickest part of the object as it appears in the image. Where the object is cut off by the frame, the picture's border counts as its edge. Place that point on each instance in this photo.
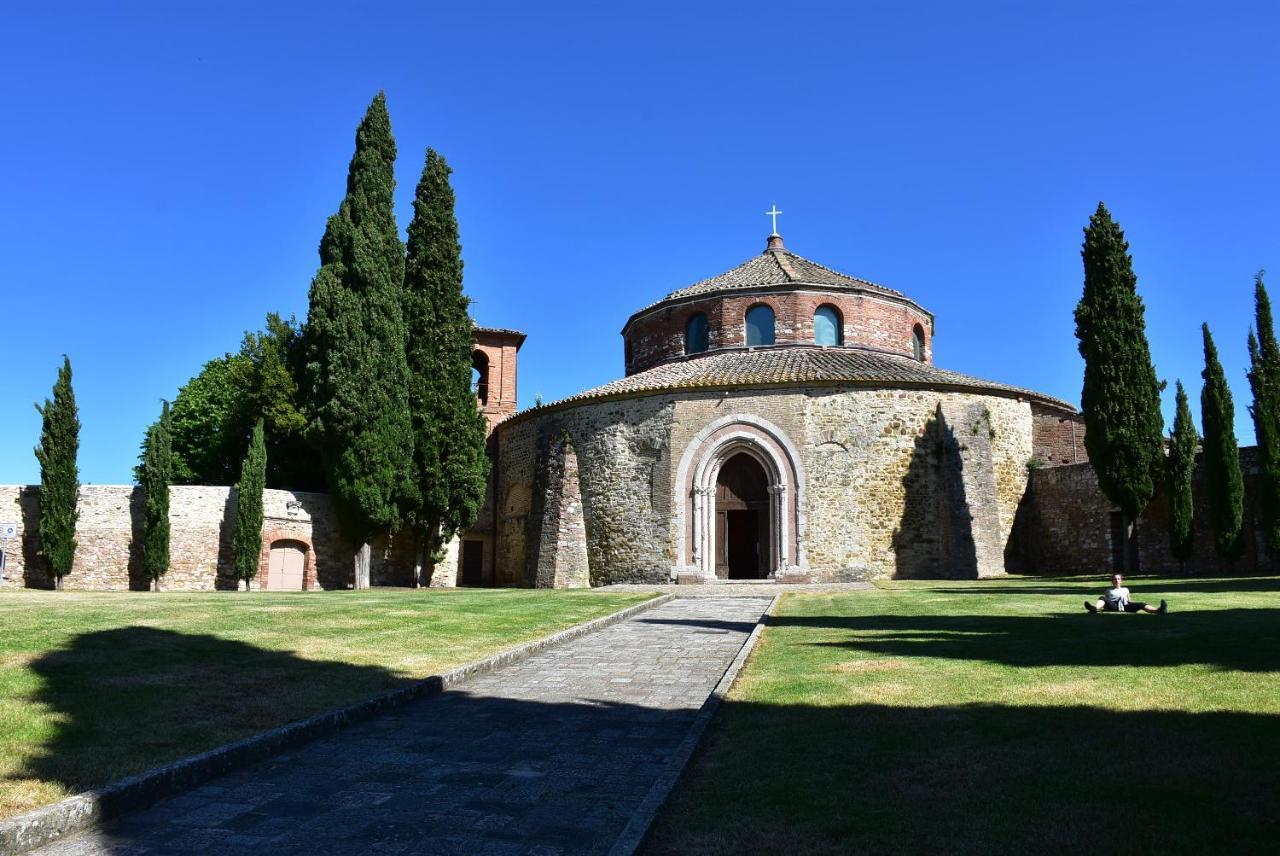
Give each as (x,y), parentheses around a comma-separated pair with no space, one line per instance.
(96,686)
(994,717)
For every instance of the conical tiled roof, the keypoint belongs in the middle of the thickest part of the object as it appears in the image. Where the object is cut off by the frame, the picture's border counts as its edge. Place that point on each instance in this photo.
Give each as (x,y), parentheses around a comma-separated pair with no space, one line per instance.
(798,365)
(779,266)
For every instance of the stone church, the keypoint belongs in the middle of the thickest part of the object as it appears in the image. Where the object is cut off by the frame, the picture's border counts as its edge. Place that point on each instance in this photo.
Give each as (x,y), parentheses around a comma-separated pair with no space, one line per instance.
(779,421)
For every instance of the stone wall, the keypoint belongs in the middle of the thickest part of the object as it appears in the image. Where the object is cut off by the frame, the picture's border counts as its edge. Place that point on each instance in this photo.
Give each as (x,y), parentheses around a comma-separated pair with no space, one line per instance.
(202,521)
(879,468)
(1058,437)
(1066,527)
(879,322)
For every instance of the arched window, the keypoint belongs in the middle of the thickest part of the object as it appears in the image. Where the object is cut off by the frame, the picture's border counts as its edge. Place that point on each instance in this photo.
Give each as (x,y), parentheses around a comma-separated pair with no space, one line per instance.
(696,334)
(759,326)
(917,343)
(480,376)
(826,326)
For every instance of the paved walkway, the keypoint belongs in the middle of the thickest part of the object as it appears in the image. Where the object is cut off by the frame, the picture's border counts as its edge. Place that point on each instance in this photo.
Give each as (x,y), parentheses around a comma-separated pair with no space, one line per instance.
(549,756)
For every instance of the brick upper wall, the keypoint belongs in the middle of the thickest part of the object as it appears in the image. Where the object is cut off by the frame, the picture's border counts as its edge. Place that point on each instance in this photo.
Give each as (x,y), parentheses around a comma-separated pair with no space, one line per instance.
(878,322)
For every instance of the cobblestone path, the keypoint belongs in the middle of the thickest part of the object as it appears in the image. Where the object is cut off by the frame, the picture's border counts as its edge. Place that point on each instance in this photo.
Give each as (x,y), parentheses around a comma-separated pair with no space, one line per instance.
(548,756)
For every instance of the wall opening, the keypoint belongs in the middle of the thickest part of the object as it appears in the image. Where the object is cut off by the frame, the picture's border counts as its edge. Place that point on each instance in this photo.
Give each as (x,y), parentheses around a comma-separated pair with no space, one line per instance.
(742,519)
(696,334)
(827,326)
(917,342)
(480,375)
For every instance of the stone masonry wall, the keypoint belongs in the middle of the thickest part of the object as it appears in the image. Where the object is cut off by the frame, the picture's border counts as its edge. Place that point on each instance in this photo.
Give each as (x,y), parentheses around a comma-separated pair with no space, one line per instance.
(1058,437)
(1065,527)
(881,467)
(202,521)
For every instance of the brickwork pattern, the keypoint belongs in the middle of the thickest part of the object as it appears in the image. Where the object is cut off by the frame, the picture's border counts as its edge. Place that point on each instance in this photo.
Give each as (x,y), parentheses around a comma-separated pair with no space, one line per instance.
(872,321)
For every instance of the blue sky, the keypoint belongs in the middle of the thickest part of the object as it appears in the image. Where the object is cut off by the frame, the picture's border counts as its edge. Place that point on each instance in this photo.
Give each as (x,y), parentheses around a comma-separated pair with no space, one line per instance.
(168,168)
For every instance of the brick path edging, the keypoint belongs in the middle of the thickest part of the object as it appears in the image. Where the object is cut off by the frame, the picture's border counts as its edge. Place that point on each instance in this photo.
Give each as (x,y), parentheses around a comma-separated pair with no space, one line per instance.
(637,829)
(82,811)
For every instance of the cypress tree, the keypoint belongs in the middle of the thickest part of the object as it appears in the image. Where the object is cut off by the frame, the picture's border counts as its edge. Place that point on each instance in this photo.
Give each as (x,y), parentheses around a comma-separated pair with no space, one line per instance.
(248,536)
(355,364)
(1182,464)
(59,476)
(157,475)
(449,431)
(1124,430)
(1264,380)
(1223,480)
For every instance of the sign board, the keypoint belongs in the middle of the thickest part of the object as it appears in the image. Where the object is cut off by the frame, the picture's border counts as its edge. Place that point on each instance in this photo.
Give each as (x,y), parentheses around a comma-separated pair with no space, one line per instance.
(8,530)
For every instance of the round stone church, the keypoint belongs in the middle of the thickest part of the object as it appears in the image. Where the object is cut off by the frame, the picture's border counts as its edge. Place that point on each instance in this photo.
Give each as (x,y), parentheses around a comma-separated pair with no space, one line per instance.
(779,421)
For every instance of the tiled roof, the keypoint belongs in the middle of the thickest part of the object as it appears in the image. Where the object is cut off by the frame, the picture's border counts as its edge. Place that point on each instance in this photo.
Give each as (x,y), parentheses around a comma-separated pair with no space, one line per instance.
(779,267)
(502,331)
(798,365)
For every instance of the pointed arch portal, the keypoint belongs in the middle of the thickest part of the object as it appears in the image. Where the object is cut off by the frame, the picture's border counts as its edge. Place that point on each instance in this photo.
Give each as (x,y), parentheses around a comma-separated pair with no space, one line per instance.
(741,495)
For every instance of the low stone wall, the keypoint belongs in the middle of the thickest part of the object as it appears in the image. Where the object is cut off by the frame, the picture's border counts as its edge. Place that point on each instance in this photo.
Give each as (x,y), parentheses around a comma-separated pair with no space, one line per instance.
(202,521)
(1065,526)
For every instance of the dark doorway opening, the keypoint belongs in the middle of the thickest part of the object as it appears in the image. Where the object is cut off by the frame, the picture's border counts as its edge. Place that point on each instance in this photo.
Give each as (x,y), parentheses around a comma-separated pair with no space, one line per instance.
(472,563)
(742,520)
(1118,544)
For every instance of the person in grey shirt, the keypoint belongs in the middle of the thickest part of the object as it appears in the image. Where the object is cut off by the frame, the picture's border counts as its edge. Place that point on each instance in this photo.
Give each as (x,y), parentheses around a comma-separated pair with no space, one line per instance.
(1118,599)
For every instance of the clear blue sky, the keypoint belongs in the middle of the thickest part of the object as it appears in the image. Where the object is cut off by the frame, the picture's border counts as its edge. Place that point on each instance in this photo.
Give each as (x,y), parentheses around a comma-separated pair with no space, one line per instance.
(168,168)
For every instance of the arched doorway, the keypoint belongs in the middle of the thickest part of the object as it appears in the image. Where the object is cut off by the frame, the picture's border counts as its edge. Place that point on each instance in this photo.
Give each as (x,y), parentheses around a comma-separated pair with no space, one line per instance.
(286,567)
(742,520)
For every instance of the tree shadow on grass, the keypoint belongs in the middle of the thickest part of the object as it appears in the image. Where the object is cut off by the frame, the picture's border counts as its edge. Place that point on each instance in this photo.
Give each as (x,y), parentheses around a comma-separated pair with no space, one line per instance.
(1239,639)
(129,699)
(472,773)
(1086,586)
(976,779)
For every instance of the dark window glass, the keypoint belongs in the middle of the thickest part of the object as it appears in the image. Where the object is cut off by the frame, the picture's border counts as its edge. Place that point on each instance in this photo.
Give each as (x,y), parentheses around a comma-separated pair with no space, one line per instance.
(759,326)
(480,376)
(826,326)
(917,343)
(696,334)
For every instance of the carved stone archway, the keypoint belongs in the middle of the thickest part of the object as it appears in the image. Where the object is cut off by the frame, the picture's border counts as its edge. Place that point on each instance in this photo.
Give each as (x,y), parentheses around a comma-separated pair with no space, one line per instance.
(696,481)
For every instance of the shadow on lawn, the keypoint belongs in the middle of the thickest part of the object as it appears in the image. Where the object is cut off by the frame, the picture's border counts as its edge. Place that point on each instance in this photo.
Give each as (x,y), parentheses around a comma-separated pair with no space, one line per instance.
(1146,587)
(133,698)
(462,772)
(976,779)
(1240,639)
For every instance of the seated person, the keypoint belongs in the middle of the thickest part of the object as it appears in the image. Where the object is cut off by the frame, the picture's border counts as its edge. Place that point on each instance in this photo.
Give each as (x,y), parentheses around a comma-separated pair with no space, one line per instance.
(1116,599)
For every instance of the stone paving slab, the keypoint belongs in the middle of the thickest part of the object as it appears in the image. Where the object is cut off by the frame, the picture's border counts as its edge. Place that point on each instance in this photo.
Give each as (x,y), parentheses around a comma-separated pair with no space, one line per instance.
(549,756)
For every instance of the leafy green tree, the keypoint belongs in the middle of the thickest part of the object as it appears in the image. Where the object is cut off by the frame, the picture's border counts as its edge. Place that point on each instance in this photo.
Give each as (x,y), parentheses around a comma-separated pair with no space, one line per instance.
(1124,430)
(1224,481)
(448,430)
(356,373)
(1264,379)
(59,475)
(247,541)
(1181,461)
(214,413)
(157,475)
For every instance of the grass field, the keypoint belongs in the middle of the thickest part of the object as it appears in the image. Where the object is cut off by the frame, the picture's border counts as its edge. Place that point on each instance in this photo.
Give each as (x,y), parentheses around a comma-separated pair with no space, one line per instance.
(997,716)
(97,686)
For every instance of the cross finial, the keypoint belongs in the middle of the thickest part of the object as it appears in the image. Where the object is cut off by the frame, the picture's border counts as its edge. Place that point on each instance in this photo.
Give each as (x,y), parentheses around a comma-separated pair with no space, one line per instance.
(774,212)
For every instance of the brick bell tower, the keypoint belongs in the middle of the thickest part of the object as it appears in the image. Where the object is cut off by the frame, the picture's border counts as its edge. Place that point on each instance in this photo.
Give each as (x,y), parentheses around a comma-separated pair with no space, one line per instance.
(494,365)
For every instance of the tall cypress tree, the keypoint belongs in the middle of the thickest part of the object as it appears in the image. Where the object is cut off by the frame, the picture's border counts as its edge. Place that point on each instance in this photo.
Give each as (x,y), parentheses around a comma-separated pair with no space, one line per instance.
(157,475)
(449,432)
(247,541)
(59,476)
(1224,482)
(1124,430)
(1182,464)
(355,364)
(1264,379)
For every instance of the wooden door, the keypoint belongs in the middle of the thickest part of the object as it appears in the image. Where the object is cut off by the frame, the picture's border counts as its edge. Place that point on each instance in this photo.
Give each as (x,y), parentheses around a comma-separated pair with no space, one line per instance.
(287,564)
